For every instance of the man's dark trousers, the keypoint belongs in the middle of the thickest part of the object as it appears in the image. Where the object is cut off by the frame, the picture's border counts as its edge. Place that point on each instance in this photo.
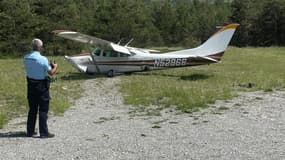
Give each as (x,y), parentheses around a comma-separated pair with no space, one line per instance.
(38,97)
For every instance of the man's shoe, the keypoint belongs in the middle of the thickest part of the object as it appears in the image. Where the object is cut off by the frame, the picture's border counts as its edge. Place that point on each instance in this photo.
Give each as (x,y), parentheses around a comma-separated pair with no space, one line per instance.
(49,135)
(32,135)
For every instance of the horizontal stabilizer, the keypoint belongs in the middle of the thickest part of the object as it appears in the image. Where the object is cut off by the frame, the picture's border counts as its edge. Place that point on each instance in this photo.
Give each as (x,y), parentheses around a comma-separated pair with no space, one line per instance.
(208,58)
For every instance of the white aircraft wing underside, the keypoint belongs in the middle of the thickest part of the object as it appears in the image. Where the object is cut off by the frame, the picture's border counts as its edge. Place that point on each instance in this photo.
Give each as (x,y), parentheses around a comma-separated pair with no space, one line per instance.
(144,49)
(83,38)
(120,48)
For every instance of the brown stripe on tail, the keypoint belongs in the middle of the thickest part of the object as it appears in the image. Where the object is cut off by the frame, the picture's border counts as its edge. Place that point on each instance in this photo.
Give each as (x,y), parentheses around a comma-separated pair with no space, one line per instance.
(217,56)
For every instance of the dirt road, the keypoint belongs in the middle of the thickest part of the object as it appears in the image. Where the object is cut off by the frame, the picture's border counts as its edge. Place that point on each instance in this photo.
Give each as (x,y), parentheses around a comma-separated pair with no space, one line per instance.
(99,126)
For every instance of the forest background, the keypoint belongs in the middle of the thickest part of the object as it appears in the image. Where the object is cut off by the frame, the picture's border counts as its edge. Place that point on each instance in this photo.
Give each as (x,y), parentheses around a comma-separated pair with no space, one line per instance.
(151,23)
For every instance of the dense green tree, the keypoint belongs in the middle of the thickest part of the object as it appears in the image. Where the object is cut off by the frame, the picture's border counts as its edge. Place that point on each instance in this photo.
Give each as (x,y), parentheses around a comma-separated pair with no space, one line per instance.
(271,23)
(240,15)
(165,19)
(262,22)
(123,20)
(18,25)
(58,14)
(184,25)
(149,22)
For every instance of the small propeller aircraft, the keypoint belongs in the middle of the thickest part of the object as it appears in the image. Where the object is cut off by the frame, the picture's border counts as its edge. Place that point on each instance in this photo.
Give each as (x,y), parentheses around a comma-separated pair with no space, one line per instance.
(110,58)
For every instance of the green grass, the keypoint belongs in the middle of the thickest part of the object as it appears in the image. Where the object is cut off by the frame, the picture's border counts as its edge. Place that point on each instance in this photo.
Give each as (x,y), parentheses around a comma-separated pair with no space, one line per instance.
(188,89)
(13,102)
(191,88)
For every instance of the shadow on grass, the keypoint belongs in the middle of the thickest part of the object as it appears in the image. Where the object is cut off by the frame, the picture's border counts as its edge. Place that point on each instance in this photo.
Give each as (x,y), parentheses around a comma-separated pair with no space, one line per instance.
(150,73)
(196,77)
(13,134)
(78,76)
(83,76)
(192,77)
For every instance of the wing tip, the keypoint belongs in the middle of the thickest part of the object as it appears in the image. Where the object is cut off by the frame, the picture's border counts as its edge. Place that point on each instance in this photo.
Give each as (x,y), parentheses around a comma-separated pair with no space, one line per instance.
(62,31)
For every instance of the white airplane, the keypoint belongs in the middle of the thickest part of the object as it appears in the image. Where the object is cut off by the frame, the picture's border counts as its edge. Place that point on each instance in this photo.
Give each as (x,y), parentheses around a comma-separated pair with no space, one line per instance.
(110,58)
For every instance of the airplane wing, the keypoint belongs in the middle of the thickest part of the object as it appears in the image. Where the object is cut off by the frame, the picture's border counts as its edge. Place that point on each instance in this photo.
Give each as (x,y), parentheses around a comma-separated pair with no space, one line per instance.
(144,49)
(83,38)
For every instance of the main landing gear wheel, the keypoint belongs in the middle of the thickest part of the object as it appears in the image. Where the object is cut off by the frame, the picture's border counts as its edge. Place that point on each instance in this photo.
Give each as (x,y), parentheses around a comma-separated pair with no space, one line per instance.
(89,73)
(110,73)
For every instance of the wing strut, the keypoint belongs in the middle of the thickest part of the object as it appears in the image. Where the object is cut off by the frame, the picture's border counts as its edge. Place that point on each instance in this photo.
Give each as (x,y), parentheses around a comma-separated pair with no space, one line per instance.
(95,63)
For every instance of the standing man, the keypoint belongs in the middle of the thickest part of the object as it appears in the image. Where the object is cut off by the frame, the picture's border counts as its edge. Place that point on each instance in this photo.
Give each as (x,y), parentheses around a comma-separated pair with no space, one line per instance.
(37,67)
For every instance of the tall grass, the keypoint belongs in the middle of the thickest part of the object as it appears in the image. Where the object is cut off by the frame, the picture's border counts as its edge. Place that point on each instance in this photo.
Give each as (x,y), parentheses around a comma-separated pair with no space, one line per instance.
(13,101)
(242,69)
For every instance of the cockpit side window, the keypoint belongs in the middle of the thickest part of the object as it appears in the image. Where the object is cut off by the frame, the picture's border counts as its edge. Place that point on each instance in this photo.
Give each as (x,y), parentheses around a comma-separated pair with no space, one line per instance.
(124,55)
(97,52)
(110,53)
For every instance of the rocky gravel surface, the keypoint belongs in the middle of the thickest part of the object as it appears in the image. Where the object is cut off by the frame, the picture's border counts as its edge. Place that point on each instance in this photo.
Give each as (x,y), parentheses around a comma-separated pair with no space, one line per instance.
(99,126)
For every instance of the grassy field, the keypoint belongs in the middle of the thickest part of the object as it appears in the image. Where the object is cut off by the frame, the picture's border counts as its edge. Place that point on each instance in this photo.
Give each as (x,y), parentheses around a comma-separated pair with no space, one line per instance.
(13,102)
(188,89)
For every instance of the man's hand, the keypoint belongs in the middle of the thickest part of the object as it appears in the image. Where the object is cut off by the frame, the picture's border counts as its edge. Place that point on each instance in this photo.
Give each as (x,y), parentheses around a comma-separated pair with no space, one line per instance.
(53,70)
(51,63)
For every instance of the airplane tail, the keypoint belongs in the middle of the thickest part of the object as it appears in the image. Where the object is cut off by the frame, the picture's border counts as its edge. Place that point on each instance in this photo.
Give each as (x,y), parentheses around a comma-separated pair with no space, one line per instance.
(215,46)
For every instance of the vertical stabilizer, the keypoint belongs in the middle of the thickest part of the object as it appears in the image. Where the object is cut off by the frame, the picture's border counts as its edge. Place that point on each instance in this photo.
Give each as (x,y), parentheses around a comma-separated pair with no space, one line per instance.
(216,44)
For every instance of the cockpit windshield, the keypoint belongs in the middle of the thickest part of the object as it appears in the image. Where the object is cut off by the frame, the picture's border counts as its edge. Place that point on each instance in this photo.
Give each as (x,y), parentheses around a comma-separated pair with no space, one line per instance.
(108,53)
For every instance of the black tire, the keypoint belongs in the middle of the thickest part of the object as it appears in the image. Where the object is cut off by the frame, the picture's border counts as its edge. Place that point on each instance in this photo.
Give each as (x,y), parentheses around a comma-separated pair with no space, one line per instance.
(110,73)
(146,68)
(89,73)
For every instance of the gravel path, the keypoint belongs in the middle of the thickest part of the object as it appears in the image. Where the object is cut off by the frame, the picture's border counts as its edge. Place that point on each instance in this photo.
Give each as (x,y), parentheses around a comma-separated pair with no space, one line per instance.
(99,126)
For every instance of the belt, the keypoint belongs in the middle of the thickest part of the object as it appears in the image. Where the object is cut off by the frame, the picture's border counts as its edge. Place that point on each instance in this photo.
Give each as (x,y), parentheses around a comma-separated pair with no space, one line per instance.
(36,80)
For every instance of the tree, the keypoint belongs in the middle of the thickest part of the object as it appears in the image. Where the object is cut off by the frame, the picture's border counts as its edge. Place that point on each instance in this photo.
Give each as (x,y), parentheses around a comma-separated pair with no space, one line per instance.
(18,25)
(123,20)
(165,20)
(240,15)
(271,23)
(149,22)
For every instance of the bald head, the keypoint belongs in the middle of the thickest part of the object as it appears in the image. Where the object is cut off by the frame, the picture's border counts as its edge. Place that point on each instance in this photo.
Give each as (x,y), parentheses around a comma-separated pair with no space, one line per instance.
(37,44)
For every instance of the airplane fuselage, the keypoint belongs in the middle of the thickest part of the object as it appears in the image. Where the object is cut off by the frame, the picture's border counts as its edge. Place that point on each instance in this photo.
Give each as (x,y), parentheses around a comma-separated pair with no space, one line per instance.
(110,62)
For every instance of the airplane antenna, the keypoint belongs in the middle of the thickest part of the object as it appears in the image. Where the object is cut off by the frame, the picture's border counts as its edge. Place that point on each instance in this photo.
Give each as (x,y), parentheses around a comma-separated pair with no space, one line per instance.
(119,42)
(129,42)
